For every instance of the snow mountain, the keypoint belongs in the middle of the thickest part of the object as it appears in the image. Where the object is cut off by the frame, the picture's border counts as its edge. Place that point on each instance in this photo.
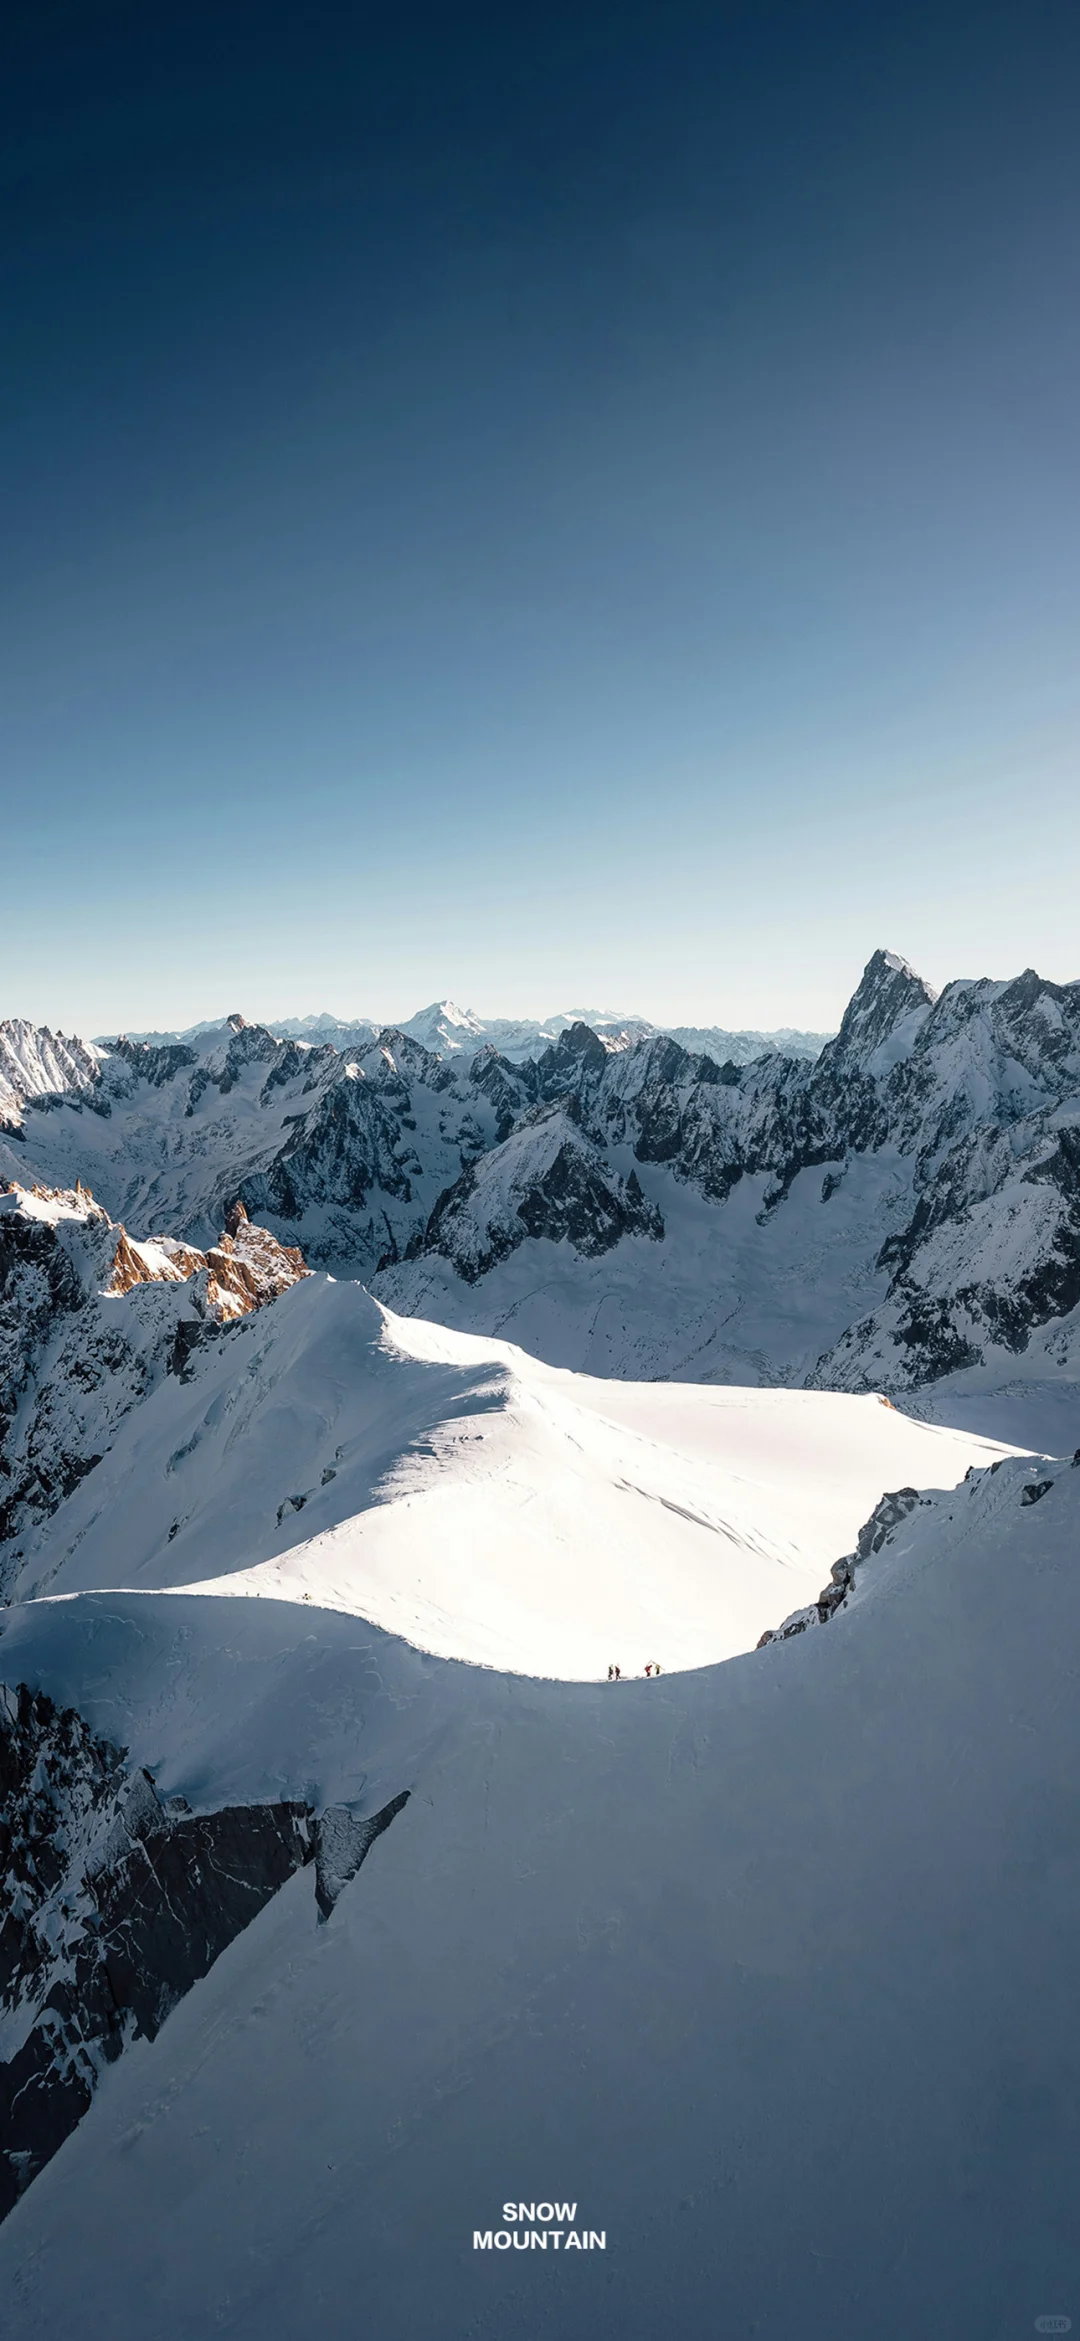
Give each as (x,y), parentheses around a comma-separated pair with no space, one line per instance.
(901,1213)
(688,1956)
(344,1891)
(90,1321)
(179,1425)
(36,1063)
(448,1030)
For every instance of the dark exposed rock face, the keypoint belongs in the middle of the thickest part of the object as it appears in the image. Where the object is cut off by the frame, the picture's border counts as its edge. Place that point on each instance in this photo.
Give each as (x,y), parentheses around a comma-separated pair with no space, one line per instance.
(343,1840)
(548,1180)
(874,1533)
(112,1904)
(1037,1490)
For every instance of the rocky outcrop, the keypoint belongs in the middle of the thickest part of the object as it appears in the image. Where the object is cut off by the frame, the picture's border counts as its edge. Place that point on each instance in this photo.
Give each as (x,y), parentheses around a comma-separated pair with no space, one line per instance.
(874,1533)
(246,1268)
(114,1902)
(979,1488)
(90,1319)
(343,1840)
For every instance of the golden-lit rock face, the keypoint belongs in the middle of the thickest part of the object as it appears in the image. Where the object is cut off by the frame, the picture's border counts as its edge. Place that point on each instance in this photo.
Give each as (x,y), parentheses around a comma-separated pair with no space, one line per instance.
(246,1267)
(153,1263)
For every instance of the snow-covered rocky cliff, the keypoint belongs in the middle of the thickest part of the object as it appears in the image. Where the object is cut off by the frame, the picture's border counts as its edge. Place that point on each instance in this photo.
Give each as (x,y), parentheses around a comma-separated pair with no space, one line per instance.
(37,1063)
(906,1208)
(901,1210)
(89,1322)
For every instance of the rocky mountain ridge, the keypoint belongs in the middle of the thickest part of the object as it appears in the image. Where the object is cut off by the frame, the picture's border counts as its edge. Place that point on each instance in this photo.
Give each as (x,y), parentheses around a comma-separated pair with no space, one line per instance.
(90,1319)
(973,1096)
(920,1177)
(448,1030)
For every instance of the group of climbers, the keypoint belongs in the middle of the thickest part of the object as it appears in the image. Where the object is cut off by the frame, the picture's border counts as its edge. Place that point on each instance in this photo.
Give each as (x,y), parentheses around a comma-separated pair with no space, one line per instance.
(614,1673)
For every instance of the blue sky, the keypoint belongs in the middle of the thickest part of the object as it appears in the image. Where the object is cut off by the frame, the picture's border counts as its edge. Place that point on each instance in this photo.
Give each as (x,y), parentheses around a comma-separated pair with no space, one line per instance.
(569,505)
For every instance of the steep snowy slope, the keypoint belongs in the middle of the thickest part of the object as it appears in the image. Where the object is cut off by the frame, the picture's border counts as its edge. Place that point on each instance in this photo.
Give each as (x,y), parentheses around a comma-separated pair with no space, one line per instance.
(90,1320)
(764,1972)
(739,1293)
(485,1506)
(36,1063)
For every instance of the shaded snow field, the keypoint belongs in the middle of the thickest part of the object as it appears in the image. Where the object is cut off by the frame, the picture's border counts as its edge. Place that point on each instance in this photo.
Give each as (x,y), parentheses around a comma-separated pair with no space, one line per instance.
(769,1967)
(457,1492)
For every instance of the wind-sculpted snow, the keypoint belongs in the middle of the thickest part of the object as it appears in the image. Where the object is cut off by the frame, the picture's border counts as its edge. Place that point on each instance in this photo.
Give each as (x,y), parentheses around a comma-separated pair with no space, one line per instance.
(484,1506)
(768,1969)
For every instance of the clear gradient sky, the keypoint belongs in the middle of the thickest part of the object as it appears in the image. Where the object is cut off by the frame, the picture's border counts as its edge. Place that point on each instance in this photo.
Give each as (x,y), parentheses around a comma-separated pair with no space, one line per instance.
(537,503)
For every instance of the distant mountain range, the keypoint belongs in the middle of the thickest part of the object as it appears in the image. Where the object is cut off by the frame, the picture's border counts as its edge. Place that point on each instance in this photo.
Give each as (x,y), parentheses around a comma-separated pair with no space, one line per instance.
(448,1031)
(900,1213)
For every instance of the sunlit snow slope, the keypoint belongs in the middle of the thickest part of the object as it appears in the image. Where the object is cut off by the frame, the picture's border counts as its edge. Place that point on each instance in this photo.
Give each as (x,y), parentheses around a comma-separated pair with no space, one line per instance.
(483,1505)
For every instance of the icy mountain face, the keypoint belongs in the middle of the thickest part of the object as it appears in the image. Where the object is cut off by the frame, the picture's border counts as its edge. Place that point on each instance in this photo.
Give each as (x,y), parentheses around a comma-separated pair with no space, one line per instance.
(547,1181)
(973,1098)
(37,1063)
(361,1170)
(901,1208)
(90,1320)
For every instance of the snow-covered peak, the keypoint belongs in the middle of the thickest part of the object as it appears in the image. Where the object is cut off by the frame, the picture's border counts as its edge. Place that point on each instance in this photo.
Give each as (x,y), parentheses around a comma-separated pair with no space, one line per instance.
(882,1020)
(445,1028)
(547,1179)
(35,1062)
